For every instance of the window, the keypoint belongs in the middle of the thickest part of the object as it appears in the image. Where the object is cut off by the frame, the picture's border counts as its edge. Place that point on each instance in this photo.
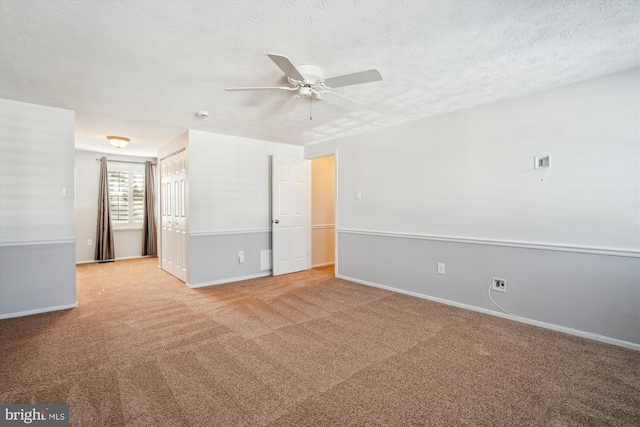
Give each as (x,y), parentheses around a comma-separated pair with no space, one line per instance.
(126,196)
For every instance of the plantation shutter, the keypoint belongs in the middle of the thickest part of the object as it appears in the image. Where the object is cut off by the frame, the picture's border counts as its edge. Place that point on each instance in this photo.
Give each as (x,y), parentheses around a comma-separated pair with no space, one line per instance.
(137,190)
(119,195)
(126,196)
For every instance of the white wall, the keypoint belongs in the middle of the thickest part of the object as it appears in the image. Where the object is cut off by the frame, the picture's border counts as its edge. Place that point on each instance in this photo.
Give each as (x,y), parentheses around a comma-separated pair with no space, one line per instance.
(128,240)
(230,181)
(37,163)
(470,174)
(178,143)
(322,211)
(467,178)
(229,204)
(37,227)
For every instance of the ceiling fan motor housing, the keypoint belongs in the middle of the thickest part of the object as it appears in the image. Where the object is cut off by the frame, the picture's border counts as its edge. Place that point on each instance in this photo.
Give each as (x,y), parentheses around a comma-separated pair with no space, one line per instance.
(311,73)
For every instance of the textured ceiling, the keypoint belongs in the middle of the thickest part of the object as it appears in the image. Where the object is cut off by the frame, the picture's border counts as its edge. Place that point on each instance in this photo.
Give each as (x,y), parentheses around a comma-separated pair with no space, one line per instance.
(142,69)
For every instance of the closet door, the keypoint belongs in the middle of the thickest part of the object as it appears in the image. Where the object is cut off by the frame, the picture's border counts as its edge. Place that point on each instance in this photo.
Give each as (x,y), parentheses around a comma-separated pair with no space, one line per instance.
(174,216)
(180,220)
(167,216)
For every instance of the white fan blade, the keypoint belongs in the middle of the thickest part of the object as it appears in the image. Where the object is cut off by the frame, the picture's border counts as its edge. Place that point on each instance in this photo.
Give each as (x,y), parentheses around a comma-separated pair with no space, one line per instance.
(261,88)
(287,66)
(290,105)
(340,100)
(353,79)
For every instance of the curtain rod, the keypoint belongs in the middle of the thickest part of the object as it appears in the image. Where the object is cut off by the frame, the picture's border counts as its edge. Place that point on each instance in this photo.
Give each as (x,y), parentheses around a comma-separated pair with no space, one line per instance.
(125,161)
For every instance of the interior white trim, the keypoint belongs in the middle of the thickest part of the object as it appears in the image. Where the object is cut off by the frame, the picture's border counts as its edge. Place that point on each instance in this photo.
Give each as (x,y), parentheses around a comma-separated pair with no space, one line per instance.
(126,228)
(563,329)
(495,242)
(38,311)
(225,232)
(229,280)
(336,257)
(37,242)
(319,154)
(307,221)
(180,150)
(322,226)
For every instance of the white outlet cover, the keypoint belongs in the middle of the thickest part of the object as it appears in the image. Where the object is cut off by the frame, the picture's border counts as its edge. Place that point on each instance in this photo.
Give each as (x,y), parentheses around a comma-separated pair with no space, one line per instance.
(440,268)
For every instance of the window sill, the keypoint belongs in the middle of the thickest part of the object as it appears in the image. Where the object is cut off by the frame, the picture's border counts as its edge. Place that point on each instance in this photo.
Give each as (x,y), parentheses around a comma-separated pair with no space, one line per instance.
(132,228)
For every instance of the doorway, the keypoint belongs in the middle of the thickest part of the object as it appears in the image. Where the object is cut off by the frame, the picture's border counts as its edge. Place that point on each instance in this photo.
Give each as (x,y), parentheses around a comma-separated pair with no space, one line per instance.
(323,212)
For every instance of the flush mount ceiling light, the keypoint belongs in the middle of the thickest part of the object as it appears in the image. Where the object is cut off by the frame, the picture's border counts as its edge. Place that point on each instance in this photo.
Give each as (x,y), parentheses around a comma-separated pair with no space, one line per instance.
(118,141)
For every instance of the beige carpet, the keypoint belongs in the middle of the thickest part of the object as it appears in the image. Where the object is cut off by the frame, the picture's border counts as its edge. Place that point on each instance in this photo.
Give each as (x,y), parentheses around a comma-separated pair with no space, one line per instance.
(304,349)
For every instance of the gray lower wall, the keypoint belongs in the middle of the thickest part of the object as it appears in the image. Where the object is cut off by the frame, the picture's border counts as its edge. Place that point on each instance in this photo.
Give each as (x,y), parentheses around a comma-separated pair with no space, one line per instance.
(599,294)
(214,258)
(37,278)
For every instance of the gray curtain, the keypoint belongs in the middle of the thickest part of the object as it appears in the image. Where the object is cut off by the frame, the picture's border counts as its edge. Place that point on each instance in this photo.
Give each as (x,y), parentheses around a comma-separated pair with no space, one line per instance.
(148,219)
(105,250)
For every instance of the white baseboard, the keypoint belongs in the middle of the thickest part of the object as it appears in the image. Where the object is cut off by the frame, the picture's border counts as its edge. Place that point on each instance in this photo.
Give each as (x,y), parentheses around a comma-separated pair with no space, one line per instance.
(324,264)
(564,329)
(229,280)
(38,311)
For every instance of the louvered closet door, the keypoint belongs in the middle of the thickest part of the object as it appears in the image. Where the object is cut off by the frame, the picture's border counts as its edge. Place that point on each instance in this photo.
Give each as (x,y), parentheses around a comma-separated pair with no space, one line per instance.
(174,216)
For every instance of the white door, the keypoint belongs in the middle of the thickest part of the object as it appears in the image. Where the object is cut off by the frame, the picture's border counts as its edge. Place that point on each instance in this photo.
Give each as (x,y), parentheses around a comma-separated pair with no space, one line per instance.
(180,221)
(167,216)
(290,214)
(174,216)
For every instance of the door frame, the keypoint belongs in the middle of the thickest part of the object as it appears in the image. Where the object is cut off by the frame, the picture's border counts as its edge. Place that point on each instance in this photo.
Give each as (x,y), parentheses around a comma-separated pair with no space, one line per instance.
(328,153)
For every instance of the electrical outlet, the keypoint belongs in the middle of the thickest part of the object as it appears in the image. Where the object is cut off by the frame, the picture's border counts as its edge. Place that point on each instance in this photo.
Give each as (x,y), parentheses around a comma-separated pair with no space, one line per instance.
(440,268)
(241,257)
(499,285)
(90,242)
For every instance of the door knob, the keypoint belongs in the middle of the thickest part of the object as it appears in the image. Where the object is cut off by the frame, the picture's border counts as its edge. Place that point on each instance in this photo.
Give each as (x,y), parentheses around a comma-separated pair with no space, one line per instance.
(277,221)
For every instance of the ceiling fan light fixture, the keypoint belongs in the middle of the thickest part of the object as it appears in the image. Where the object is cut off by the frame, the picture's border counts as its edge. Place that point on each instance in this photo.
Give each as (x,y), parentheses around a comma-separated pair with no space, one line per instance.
(118,141)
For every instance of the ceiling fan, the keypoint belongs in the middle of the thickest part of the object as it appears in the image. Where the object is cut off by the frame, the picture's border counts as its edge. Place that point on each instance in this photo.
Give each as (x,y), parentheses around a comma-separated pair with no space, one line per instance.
(307,82)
